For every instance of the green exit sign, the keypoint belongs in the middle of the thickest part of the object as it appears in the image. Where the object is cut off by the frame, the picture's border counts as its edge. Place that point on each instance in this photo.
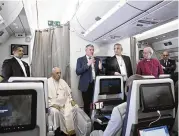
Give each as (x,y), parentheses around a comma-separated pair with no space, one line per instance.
(54,23)
(50,23)
(57,23)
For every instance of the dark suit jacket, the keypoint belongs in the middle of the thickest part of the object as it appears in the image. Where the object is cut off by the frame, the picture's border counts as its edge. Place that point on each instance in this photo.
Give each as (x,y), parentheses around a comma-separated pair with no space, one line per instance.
(113,66)
(170,68)
(11,67)
(85,72)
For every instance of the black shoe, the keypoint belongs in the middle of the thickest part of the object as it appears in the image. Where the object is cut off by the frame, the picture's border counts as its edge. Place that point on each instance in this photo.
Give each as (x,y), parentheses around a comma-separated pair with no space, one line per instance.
(58,132)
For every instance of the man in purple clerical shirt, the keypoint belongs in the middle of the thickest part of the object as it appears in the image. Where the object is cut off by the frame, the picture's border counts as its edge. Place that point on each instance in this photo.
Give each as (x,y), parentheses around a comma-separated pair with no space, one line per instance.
(149,65)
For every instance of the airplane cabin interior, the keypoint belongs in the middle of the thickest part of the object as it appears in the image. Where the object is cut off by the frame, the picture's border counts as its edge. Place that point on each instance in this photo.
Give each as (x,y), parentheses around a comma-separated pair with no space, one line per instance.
(53,53)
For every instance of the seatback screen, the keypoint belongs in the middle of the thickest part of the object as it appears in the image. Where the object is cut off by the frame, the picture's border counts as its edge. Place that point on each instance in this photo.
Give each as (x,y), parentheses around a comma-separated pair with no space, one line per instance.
(155,131)
(17,110)
(110,86)
(156,97)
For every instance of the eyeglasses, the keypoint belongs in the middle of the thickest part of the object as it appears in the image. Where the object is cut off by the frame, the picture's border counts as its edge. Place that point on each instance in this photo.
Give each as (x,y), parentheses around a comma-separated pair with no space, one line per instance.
(165,55)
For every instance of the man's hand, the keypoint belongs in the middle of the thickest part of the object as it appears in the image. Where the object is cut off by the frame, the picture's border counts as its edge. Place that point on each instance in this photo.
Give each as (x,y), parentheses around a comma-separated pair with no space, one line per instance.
(163,67)
(117,74)
(90,62)
(100,65)
(1,78)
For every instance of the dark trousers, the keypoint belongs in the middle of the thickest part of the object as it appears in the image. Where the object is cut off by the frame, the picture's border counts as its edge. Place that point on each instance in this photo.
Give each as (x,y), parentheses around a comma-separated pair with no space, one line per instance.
(88,98)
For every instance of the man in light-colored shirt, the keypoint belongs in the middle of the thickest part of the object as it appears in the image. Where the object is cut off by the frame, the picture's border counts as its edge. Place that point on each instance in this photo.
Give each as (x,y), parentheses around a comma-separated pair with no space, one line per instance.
(119,64)
(15,66)
(61,103)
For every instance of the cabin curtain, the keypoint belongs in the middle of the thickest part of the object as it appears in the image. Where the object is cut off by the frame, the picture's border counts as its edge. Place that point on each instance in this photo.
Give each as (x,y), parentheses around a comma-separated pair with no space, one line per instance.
(51,49)
(133,53)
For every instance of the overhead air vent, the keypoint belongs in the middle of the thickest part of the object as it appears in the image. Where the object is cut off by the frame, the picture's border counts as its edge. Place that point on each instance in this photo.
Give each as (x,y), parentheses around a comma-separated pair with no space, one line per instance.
(114,37)
(170,43)
(147,22)
(97,18)
(20,35)
(140,25)
(167,43)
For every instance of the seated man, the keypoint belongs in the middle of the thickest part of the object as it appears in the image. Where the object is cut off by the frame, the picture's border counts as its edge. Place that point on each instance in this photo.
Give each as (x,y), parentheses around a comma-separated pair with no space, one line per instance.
(115,124)
(60,103)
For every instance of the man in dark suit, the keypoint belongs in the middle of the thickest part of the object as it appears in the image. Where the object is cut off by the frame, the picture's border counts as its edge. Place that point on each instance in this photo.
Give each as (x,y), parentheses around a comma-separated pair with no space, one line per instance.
(168,65)
(88,67)
(119,64)
(15,66)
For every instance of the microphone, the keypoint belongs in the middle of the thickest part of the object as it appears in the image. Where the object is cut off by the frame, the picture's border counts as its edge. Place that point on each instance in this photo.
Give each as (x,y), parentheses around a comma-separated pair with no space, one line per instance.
(91,57)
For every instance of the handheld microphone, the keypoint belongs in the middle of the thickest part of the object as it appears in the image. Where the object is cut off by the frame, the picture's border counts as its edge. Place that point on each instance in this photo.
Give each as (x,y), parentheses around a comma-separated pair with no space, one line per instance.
(91,57)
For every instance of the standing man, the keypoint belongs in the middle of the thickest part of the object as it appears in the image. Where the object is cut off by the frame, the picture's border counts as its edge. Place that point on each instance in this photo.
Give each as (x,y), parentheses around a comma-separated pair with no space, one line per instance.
(119,64)
(88,67)
(168,65)
(15,66)
(149,65)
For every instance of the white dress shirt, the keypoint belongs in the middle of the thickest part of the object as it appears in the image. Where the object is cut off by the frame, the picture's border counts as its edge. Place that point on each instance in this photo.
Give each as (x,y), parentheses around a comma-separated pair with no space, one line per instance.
(22,65)
(92,67)
(166,62)
(122,66)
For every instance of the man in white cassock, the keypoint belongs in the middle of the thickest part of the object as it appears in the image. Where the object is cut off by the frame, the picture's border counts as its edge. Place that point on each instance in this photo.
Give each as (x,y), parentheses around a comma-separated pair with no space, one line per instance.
(60,103)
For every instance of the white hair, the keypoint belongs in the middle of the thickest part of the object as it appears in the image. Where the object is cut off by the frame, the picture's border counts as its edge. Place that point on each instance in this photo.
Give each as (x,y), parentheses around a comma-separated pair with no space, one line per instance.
(53,69)
(150,50)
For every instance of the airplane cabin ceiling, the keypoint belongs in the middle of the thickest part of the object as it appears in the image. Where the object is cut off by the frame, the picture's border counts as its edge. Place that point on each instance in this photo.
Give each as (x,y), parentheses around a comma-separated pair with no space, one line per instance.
(132,18)
(161,15)
(19,25)
(141,5)
(89,10)
(161,37)
(9,10)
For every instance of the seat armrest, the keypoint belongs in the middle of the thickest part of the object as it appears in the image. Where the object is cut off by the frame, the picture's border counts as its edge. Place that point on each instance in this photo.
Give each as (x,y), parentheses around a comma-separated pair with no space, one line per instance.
(82,122)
